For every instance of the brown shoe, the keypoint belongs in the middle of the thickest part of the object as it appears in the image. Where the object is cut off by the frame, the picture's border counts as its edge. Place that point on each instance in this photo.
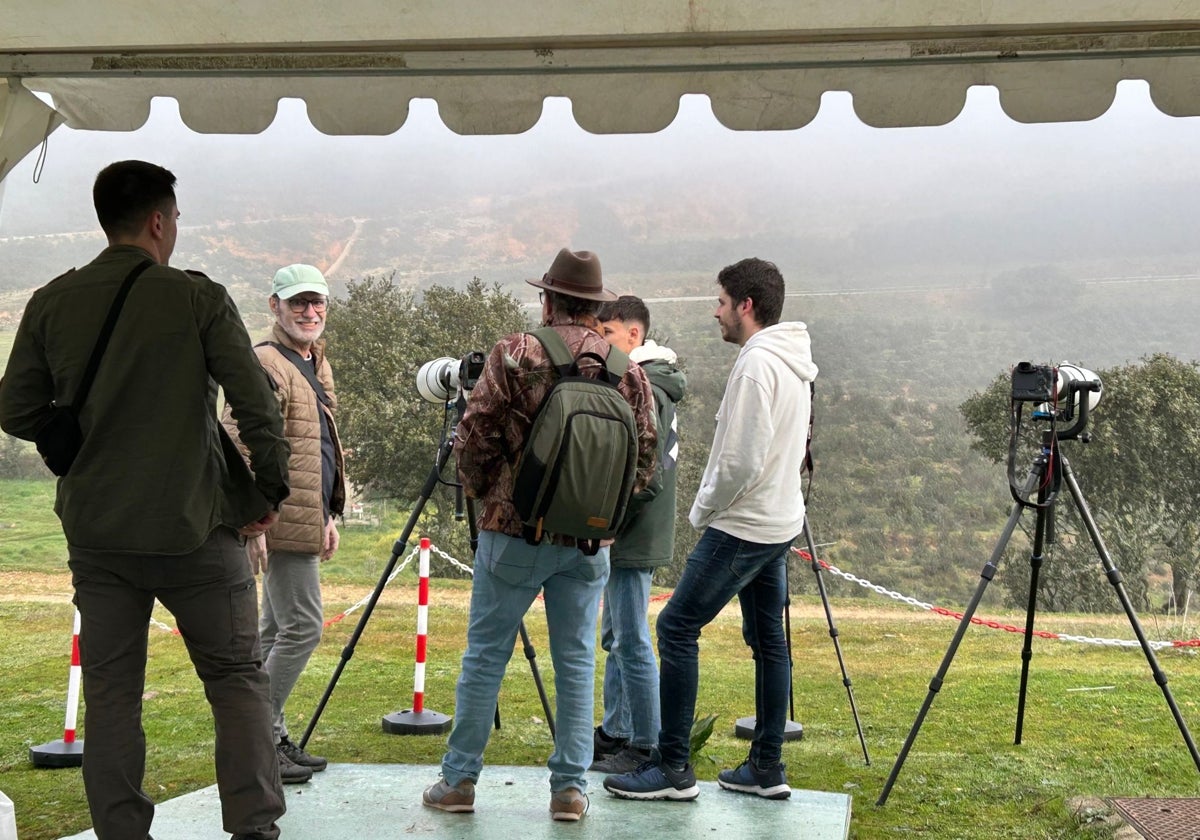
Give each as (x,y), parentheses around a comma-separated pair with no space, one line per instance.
(459,799)
(568,804)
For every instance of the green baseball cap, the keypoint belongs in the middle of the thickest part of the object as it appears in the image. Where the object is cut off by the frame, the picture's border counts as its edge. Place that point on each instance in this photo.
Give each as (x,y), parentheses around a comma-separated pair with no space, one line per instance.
(291,280)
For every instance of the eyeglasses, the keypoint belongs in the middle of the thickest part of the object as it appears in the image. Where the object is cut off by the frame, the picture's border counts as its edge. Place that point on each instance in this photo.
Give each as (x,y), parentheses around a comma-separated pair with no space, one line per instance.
(298,304)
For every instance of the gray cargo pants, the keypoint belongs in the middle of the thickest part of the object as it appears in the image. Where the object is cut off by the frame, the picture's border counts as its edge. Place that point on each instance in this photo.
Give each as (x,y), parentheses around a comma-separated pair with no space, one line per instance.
(211,594)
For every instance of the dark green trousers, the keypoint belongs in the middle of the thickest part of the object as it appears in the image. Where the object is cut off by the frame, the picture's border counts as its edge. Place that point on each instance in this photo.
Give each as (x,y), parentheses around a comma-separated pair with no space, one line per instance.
(212,595)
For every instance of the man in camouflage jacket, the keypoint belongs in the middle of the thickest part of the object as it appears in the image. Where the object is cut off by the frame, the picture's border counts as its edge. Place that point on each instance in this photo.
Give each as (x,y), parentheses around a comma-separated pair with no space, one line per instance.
(509,572)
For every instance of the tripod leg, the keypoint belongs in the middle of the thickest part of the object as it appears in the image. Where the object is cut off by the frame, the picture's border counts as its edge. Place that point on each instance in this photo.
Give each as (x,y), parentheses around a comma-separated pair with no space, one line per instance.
(531,655)
(985,577)
(833,634)
(526,644)
(1114,577)
(1035,565)
(398,550)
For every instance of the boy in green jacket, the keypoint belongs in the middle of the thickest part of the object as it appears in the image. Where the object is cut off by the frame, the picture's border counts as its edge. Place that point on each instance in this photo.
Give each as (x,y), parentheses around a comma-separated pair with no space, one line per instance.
(631,708)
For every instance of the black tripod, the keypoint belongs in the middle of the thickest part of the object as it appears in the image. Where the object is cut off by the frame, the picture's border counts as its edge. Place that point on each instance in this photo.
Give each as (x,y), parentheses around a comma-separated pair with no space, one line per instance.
(1039,475)
(445,450)
(794,731)
(833,634)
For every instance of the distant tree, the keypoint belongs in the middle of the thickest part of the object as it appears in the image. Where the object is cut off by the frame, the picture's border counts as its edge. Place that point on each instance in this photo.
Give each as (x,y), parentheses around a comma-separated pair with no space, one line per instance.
(18,459)
(378,336)
(1034,291)
(1140,475)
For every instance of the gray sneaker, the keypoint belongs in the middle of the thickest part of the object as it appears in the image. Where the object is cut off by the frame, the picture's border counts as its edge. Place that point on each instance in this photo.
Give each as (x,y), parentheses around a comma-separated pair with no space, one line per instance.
(625,761)
(296,755)
(291,773)
(457,799)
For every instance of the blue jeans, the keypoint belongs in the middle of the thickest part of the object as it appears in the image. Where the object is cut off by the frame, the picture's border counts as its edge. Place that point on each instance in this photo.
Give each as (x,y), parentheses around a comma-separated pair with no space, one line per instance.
(630,672)
(508,575)
(719,567)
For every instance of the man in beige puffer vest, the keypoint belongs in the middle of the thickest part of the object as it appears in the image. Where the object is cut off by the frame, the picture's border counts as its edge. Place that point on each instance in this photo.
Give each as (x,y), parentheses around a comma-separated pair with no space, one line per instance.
(290,553)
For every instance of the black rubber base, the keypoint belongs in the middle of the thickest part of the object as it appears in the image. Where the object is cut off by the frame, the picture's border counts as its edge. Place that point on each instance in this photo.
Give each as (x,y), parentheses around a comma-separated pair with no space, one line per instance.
(424,722)
(57,754)
(744,729)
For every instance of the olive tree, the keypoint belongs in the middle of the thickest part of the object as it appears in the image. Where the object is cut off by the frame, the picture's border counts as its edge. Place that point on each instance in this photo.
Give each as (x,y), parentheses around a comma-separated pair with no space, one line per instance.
(378,337)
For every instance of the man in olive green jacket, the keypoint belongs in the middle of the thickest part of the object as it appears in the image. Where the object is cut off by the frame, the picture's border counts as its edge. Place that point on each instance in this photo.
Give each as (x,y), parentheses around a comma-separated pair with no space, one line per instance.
(156,505)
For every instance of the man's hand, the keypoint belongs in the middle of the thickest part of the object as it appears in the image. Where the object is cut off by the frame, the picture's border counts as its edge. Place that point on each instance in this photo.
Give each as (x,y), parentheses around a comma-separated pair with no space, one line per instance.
(330,542)
(256,552)
(260,526)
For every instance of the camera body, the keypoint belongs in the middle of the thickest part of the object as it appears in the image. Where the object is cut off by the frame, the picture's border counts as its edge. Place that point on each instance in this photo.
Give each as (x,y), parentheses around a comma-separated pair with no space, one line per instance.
(1056,390)
(1032,383)
(439,378)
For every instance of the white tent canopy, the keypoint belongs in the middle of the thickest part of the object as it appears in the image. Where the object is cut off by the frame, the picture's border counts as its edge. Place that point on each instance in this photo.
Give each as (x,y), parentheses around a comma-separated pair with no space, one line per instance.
(764,64)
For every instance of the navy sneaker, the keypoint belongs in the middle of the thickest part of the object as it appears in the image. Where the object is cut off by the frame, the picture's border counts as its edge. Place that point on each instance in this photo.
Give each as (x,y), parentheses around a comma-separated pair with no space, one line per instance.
(654,781)
(748,777)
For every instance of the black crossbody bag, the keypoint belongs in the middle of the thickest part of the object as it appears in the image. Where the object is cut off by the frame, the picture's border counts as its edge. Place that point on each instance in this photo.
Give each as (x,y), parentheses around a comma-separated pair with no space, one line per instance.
(60,438)
(305,369)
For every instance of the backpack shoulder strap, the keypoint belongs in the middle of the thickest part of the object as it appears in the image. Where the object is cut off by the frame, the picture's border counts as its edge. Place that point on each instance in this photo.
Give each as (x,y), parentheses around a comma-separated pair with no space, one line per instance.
(556,349)
(305,369)
(617,364)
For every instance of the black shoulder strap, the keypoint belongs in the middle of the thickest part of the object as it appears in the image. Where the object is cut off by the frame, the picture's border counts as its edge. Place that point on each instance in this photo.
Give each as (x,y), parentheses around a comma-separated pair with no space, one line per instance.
(808,459)
(106,331)
(807,464)
(302,366)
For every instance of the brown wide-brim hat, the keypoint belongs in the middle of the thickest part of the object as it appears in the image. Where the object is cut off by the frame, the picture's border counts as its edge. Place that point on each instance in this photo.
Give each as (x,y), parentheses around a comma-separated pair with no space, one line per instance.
(575,273)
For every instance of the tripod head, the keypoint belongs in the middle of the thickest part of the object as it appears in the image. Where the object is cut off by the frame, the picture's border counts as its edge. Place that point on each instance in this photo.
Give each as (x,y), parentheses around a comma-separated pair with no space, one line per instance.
(1064,393)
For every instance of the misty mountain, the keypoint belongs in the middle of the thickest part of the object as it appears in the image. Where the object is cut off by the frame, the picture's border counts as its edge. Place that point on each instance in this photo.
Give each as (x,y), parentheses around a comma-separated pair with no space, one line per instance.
(837,204)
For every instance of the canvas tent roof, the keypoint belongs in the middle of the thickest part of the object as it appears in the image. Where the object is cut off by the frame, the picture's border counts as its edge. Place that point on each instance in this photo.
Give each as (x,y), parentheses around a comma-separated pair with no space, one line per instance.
(624,64)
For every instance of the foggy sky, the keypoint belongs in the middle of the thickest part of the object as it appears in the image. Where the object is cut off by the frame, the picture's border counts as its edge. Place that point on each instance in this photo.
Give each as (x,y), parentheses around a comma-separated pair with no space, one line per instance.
(1122,187)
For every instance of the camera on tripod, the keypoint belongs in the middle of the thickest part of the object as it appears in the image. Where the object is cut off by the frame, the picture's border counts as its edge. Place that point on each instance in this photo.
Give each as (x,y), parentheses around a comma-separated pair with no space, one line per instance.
(1055,390)
(439,378)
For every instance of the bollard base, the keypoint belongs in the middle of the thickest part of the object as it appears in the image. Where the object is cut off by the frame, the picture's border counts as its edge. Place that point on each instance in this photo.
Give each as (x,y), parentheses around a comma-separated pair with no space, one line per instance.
(424,722)
(744,729)
(57,754)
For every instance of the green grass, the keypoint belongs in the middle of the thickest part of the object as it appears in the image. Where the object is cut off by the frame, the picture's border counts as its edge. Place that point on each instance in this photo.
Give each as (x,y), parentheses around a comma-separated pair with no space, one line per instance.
(1096,724)
(31,538)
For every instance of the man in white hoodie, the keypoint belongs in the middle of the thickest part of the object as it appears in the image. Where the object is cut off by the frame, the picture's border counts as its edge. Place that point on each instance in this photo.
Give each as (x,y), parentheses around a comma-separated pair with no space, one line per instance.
(750,507)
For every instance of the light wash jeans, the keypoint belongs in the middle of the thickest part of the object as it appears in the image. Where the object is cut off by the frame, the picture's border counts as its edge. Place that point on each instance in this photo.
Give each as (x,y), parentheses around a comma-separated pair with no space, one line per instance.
(630,670)
(719,567)
(509,573)
(290,624)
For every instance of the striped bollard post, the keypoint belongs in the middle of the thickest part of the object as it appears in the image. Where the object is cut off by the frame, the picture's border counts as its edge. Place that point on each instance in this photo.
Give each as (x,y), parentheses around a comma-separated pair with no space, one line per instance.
(67,752)
(418,720)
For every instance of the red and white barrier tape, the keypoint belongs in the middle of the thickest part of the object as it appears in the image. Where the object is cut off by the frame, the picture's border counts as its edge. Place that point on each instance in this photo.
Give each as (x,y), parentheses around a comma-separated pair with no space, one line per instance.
(995,625)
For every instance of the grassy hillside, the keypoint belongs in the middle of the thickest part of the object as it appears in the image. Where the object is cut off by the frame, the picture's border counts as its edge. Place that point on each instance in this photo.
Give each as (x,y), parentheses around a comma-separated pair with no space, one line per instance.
(1096,725)
(898,494)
